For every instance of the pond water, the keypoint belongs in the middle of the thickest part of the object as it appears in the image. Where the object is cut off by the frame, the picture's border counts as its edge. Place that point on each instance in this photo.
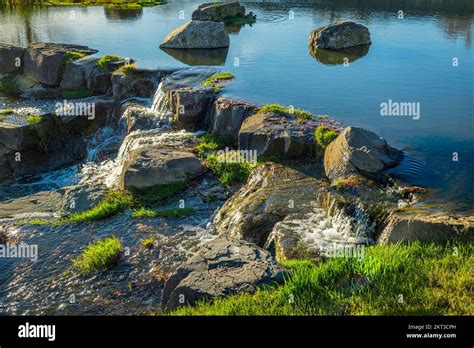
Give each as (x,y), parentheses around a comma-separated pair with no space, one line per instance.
(410,60)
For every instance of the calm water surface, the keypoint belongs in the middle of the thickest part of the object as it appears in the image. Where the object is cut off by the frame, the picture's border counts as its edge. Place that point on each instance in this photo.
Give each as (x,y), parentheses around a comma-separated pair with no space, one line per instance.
(410,60)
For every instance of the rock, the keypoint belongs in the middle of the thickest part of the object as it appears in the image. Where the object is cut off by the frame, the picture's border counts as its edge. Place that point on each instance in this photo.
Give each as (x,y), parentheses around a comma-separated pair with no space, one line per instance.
(73,76)
(11,59)
(406,228)
(142,83)
(228,115)
(220,268)
(272,192)
(151,166)
(139,117)
(197,34)
(100,84)
(276,134)
(45,61)
(217,12)
(190,105)
(340,35)
(359,151)
(143,88)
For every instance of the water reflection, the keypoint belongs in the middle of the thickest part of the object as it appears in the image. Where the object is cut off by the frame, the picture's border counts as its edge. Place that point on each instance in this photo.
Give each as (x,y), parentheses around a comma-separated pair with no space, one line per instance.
(348,55)
(121,14)
(195,57)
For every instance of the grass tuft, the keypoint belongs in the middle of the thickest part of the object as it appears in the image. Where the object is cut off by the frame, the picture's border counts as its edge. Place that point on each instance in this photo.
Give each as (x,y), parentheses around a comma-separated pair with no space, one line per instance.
(324,136)
(217,81)
(148,243)
(98,256)
(33,119)
(160,193)
(71,56)
(104,61)
(166,213)
(127,70)
(209,143)
(7,112)
(300,115)
(230,172)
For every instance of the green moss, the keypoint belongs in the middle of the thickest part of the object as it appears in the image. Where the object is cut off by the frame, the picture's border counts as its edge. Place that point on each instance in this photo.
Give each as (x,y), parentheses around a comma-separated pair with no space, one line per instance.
(104,61)
(217,81)
(431,279)
(33,119)
(148,243)
(78,93)
(230,172)
(209,143)
(299,114)
(98,256)
(6,112)
(166,213)
(2,118)
(160,193)
(71,56)
(115,202)
(324,136)
(127,69)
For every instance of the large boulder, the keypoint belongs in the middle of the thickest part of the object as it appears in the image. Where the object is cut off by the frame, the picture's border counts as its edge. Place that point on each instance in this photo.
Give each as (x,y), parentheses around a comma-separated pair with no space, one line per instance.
(151,166)
(46,61)
(190,105)
(272,193)
(276,134)
(359,151)
(220,268)
(406,228)
(11,59)
(197,34)
(73,76)
(228,115)
(218,11)
(340,35)
(141,83)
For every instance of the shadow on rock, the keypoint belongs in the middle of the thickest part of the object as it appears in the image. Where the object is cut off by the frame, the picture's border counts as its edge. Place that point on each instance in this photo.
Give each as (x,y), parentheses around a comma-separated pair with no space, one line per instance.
(333,57)
(195,57)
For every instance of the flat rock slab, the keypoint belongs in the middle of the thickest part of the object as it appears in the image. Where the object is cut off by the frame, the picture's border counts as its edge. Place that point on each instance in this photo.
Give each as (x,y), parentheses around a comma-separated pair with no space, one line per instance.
(339,35)
(220,268)
(197,34)
(11,58)
(45,61)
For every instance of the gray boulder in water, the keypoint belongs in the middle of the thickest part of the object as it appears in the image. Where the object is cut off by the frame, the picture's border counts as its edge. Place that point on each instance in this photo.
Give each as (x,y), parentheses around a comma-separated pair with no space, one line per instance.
(359,151)
(340,35)
(197,34)
(217,11)
(221,267)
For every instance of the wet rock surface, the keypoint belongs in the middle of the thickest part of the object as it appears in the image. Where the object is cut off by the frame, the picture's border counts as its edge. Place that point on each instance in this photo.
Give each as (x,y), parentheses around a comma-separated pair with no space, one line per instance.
(218,12)
(221,267)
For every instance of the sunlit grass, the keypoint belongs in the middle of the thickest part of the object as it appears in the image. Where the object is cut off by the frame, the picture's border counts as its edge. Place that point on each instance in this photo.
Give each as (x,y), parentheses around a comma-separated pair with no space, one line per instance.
(415,279)
(98,256)
(299,114)
(217,81)
(165,213)
(33,119)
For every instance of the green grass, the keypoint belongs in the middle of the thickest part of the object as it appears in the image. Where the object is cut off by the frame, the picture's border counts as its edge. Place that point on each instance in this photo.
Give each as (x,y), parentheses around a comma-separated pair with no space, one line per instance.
(7,112)
(104,61)
(2,118)
(299,114)
(98,256)
(229,172)
(148,243)
(324,136)
(217,81)
(78,93)
(33,119)
(431,279)
(115,202)
(160,193)
(209,143)
(165,213)
(127,70)
(71,56)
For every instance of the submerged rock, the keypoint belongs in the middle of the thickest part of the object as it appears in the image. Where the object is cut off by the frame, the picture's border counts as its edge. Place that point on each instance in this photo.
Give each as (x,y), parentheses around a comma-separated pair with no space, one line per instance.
(228,115)
(11,59)
(406,228)
(276,134)
(197,34)
(218,11)
(340,35)
(199,56)
(45,61)
(220,268)
(359,151)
